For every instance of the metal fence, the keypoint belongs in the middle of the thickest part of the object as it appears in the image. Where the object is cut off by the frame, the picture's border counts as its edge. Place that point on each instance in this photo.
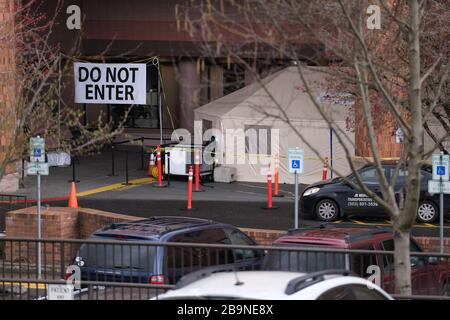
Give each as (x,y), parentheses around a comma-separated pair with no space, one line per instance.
(142,269)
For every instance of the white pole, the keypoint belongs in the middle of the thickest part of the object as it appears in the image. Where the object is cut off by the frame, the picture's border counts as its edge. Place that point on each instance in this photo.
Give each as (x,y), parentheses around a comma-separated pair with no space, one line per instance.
(296,200)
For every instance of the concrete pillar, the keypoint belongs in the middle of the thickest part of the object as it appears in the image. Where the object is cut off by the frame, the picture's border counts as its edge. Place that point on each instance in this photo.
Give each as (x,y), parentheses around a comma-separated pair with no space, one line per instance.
(189,90)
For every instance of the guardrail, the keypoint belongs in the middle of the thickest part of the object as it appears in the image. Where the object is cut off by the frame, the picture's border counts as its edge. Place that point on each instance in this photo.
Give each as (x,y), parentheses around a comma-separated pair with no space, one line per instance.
(143,269)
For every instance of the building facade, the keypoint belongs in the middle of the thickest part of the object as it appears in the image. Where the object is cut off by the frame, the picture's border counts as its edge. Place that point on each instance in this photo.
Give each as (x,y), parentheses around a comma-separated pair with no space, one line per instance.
(137,30)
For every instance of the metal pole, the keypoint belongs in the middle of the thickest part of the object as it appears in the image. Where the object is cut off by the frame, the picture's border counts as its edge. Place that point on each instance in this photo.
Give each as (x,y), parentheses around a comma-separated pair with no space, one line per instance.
(59,101)
(331,153)
(441,212)
(160,107)
(142,153)
(74,179)
(39,266)
(126,168)
(168,168)
(113,148)
(296,200)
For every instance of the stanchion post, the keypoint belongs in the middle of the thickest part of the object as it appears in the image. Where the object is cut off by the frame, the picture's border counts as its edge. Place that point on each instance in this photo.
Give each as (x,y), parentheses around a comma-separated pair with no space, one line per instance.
(158,162)
(74,179)
(197,169)
(142,153)
(113,160)
(168,168)
(159,165)
(126,169)
(325,170)
(277,178)
(269,191)
(189,204)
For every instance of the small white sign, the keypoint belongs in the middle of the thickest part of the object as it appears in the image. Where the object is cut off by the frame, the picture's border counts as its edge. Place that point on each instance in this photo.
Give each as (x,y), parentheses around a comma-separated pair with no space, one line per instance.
(440,168)
(34,167)
(60,292)
(296,160)
(434,187)
(37,149)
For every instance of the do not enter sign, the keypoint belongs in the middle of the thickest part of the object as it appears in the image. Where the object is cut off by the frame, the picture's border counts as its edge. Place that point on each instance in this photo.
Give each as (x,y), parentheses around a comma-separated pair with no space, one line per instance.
(110,83)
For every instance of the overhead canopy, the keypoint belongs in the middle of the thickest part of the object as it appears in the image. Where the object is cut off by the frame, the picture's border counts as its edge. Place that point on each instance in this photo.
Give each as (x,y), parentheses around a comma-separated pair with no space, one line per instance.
(267,105)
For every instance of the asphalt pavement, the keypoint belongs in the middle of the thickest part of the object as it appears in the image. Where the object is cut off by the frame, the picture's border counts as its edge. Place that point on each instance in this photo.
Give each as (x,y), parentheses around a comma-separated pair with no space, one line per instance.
(237,203)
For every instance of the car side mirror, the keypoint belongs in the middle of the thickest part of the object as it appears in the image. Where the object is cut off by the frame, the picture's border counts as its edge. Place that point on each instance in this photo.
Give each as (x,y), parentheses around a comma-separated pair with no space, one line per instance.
(433,260)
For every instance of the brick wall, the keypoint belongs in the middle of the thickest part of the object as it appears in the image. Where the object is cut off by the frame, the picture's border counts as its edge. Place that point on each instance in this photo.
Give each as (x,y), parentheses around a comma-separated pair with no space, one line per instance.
(7,93)
(60,223)
(384,126)
(90,220)
(65,223)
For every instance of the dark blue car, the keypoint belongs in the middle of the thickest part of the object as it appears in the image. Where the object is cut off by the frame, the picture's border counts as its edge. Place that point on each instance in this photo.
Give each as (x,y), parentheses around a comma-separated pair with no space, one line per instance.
(159,264)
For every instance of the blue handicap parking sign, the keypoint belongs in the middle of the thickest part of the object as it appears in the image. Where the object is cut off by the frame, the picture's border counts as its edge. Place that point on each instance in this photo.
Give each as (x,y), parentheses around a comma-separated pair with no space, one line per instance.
(440,170)
(296,164)
(37,152)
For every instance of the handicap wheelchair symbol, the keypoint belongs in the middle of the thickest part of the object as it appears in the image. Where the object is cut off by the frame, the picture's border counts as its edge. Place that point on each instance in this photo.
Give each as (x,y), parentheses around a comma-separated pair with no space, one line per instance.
(440,170)
(295,164)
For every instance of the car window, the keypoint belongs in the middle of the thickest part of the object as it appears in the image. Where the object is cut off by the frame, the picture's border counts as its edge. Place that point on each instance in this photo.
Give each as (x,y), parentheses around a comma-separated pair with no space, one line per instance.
(388,260)
(113,256)
(403,174)
(239,238)
(360,262)
(361,292)
(301,261)
(216,236)
(338,293)
(369,176)
(190,258)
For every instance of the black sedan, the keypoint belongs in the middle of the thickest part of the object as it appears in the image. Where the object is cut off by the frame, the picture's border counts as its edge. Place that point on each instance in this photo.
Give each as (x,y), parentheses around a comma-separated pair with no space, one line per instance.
(332,199)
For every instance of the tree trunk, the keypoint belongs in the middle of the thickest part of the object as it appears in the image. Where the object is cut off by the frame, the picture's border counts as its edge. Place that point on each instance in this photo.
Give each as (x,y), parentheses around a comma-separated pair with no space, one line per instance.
(402,264)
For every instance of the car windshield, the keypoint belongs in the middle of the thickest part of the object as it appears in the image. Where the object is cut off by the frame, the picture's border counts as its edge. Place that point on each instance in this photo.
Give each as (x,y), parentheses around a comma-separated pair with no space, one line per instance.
(113,256)
(300,261)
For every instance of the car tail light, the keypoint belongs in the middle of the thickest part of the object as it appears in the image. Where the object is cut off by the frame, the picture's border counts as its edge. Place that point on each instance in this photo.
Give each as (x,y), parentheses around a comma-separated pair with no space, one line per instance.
(67,275)
(157,279)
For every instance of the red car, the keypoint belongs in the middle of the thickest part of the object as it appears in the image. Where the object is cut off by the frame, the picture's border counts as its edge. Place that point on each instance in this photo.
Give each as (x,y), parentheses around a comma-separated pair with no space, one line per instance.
(430,275)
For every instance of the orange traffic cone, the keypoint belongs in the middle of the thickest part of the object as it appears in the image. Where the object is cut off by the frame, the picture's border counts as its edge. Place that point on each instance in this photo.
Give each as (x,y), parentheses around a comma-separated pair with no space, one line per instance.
(73,202)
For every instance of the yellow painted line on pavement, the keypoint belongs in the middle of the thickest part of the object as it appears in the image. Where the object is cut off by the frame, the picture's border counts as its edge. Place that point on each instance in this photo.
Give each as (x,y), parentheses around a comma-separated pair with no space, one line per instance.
(357,221)
(116,186)
(25,285)
(423,225)
(429,225)
(338,221)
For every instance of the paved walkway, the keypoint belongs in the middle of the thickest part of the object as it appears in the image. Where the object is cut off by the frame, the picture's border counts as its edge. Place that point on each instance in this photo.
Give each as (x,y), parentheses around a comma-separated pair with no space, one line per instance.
(93,173)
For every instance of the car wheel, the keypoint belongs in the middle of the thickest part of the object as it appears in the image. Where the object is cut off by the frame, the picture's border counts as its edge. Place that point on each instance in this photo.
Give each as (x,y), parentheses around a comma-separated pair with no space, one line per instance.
(327,210)
(427,212)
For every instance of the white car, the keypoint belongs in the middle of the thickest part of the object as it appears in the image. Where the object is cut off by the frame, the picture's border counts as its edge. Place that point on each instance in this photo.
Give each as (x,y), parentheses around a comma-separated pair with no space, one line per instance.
(275,285)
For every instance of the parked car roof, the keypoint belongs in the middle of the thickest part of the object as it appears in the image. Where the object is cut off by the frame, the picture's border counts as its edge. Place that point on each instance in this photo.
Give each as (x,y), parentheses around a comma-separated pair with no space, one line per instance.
(332,236)
(153,227)
(277,285)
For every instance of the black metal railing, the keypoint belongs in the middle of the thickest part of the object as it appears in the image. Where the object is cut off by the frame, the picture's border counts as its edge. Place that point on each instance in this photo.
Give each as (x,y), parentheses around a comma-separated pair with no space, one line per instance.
(129,269)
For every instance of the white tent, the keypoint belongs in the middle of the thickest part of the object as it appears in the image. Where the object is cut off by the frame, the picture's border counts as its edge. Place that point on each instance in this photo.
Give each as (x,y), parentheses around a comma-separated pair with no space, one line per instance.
(262,107)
